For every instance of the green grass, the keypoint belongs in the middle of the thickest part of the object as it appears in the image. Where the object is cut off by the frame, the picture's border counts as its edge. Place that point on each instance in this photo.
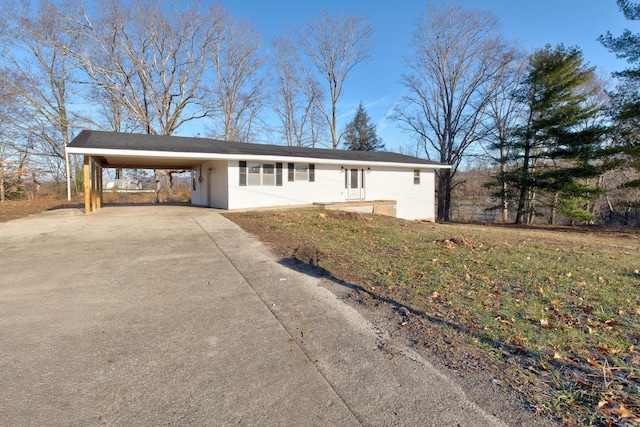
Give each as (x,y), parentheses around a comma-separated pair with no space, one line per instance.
(562,308)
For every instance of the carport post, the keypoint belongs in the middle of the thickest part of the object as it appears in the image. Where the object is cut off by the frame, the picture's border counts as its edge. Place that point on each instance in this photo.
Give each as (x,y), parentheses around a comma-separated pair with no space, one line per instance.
(92,166)
(95,184)
(100,201)
(87,185)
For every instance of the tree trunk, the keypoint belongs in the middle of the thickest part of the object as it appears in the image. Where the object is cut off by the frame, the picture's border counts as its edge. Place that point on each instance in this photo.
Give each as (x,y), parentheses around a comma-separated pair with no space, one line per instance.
(554,207)
(444,195)
(532,208)
(524,185)
(156,176)
(36,185)
(503,170)
(2,196)
(169,184)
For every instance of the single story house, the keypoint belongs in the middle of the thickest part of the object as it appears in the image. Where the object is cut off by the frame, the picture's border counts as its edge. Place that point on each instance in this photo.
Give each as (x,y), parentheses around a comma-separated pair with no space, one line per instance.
(235,175)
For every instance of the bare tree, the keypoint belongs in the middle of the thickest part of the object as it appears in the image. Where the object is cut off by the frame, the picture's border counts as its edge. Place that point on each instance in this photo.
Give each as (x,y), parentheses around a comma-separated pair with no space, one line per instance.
(8,114)
(333,46)
(150,60)
(238,88)
(35,48)
(297,112)
(457,61)
(504,112)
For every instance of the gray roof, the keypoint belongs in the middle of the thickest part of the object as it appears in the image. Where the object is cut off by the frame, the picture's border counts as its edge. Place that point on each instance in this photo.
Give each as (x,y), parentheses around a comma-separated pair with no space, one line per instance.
(175,144)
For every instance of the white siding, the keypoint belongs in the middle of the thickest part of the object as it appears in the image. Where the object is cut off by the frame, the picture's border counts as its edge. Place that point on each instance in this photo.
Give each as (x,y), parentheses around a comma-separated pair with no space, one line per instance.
(219,180)
(328,187)
(212,189)
(414,201)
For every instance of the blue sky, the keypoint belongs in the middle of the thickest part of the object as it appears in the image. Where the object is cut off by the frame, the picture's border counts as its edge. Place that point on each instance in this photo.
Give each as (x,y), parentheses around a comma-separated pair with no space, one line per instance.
(530,23)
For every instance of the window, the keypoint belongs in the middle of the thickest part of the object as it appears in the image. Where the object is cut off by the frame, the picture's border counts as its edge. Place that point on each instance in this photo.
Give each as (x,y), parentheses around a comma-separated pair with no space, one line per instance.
(260,174)
(301,172)
(268,175)
(354,178)
(416,176)
(253,174)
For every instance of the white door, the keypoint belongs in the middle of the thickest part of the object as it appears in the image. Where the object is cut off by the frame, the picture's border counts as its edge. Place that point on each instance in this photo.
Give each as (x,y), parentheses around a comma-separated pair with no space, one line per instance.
(354,184)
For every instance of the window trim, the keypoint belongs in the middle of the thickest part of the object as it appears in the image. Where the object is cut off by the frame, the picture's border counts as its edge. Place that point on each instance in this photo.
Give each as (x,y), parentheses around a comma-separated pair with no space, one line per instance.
(292,171)
(249,176)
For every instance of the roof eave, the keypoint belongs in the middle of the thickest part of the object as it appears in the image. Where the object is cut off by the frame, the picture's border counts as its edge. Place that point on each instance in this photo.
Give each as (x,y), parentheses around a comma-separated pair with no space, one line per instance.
(248,157)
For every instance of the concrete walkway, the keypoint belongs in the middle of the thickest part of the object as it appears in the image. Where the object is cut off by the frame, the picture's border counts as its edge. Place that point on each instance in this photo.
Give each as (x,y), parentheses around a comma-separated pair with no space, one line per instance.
(167,315)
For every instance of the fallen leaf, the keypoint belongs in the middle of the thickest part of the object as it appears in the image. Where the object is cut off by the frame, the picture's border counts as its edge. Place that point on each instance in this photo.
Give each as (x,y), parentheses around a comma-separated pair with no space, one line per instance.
(594,362)
(613,408)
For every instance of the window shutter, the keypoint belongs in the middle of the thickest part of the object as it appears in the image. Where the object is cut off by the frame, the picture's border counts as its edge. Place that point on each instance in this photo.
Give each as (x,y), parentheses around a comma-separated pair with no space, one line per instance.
(312,172)
(279,174)
(243,173)
(291,169)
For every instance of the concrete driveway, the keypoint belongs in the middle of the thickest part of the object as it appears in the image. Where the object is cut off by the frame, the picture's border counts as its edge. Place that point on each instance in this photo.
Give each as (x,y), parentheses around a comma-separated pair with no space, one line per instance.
(168,315)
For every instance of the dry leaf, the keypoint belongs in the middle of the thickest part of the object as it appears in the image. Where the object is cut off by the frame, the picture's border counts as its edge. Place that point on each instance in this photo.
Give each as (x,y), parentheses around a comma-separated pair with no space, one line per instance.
(594,362)
(613,408)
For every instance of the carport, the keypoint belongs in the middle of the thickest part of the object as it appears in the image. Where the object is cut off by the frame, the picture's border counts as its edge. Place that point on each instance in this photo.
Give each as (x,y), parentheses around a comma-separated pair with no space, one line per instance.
(98,157)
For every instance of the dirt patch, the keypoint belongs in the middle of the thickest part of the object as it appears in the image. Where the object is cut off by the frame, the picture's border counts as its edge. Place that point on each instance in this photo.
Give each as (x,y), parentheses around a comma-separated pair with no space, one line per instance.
(14,209)
(458,242)
(481,378)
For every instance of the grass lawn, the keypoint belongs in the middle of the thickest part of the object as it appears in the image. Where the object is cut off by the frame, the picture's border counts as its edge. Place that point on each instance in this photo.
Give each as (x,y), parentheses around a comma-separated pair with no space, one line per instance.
(559,307)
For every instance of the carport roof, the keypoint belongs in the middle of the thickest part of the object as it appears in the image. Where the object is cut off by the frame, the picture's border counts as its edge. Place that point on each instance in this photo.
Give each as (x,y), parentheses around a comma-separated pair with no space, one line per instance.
(127,150)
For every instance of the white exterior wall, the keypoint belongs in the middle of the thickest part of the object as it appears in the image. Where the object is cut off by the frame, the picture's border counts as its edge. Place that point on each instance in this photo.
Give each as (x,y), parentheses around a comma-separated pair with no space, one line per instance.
(212,189)
(414,201)
(328,187)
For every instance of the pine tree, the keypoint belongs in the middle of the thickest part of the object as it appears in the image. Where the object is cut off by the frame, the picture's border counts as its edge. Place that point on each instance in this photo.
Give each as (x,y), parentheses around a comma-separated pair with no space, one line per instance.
(626,99)
(360,134)
(558,145)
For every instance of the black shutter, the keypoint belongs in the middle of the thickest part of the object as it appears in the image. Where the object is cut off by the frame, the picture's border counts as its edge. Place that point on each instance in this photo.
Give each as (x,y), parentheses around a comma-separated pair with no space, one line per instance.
(291,170)
(279,174)
(312,172)
(243,173)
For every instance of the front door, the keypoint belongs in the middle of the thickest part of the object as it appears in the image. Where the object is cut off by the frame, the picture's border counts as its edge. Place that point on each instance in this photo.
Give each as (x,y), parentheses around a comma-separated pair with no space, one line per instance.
(354,184)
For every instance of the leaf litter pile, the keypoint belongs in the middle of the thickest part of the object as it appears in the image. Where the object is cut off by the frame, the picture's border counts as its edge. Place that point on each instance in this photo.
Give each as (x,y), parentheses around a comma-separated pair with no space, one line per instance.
(559,308)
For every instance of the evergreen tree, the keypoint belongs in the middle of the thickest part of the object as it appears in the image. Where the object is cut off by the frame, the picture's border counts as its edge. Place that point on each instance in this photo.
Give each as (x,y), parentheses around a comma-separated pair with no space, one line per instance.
(360,134)
(558,145)
(626,99)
